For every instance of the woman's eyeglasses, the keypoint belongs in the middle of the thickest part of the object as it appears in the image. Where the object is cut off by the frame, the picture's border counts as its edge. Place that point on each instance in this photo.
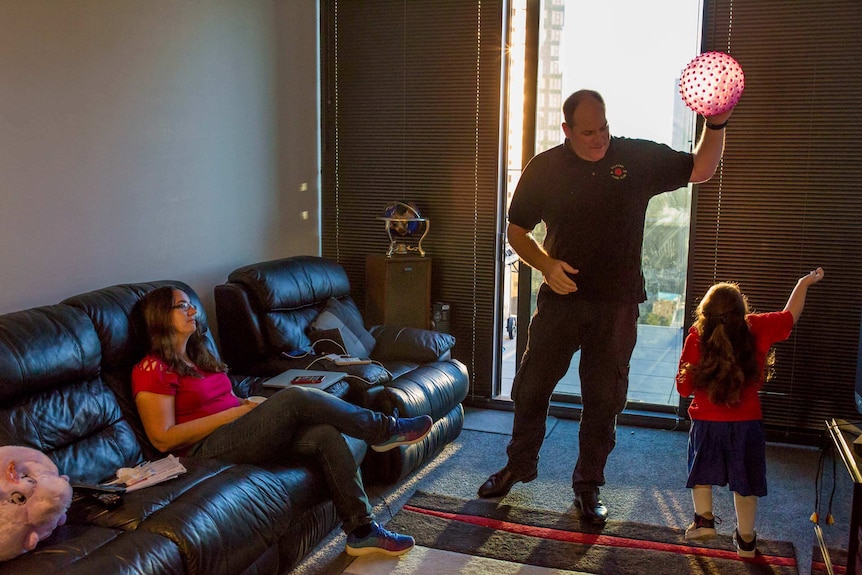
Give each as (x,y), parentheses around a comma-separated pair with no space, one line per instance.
(184,306)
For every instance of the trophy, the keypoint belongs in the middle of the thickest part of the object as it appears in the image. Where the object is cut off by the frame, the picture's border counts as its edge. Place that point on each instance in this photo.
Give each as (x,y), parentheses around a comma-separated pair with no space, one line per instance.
(405,227)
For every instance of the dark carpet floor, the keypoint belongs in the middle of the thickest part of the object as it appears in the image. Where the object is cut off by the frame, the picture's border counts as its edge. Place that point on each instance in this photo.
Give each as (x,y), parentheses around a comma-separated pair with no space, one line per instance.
(645,484)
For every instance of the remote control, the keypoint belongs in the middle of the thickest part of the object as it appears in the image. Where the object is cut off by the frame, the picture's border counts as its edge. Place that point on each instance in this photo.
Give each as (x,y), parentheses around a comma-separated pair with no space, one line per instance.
(95,489)
(108,495)
(109,500)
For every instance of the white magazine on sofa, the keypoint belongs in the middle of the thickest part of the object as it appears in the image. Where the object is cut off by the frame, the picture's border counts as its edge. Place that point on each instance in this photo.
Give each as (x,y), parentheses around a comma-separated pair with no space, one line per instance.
(148,473)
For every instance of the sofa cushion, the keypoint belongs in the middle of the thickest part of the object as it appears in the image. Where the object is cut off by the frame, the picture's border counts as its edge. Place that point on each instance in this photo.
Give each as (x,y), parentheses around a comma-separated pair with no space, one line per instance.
(75,549)
(220,516)
(286,295)
(348,323)
(53,397)
(222,525)
(292,283)
(43,348)
(410,344)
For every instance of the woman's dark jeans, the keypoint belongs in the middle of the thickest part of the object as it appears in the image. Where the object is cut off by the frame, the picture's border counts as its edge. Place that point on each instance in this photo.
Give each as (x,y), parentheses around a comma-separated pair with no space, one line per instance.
(310,422)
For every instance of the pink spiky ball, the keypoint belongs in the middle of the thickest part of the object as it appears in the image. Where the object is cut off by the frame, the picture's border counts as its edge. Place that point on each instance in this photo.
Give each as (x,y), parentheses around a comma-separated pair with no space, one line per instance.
(712,83)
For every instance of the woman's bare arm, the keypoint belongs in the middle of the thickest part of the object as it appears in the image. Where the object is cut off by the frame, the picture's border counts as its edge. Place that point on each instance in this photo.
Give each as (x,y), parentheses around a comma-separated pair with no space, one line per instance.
(157,415)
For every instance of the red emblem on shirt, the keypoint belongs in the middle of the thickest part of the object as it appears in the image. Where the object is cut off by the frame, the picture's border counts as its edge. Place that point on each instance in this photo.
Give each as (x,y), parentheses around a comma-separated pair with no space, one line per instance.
(618,172)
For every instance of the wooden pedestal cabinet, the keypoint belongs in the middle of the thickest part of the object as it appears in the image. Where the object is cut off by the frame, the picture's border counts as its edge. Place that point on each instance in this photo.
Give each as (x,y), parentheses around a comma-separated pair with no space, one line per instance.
(398,291)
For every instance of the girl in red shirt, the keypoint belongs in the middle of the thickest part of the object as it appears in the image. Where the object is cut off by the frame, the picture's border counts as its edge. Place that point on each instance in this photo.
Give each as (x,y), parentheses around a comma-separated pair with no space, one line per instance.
(724,358)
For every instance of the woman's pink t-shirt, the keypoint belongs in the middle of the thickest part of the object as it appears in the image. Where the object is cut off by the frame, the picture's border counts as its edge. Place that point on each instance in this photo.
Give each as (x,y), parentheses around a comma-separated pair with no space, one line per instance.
(195,397)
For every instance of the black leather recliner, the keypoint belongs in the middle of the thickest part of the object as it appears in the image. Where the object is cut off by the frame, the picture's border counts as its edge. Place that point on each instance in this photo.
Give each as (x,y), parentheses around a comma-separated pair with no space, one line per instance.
(65,379)
(265,313)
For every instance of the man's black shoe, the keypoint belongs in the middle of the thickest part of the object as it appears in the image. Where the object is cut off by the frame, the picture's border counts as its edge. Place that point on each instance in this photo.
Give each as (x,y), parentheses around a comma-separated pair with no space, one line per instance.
(591,506)
(501,482)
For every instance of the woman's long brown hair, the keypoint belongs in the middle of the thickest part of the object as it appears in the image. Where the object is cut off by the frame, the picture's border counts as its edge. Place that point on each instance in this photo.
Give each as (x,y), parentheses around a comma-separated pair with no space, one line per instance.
(728,356)
(157,307)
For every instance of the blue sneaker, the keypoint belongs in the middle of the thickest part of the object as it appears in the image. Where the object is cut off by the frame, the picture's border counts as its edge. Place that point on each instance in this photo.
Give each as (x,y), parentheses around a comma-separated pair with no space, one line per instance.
(407,431)
(379,540)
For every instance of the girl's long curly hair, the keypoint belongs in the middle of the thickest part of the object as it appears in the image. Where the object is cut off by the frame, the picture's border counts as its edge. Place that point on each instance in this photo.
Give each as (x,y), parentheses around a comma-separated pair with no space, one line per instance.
(157,307)
(728,356)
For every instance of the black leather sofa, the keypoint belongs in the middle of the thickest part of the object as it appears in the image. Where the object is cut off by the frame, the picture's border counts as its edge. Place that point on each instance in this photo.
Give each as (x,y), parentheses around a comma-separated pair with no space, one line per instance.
(65,374)
(266,312)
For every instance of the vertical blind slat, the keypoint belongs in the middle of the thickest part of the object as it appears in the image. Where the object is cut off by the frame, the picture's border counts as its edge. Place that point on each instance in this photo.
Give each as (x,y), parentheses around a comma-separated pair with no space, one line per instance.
(410,113)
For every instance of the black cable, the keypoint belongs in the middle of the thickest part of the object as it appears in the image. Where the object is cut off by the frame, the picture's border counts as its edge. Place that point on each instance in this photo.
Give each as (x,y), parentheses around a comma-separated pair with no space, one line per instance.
(818,485)
(829,519)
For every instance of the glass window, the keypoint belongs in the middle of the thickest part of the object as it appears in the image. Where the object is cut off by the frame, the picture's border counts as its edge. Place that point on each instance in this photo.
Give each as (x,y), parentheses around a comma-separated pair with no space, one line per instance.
(632,52)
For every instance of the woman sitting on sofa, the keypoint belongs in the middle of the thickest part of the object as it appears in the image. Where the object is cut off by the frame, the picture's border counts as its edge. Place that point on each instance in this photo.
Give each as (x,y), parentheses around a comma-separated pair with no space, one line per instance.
(188,407)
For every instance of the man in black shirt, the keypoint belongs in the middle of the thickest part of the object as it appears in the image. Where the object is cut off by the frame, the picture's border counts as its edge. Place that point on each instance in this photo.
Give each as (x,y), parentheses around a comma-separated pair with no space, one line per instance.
(592,193)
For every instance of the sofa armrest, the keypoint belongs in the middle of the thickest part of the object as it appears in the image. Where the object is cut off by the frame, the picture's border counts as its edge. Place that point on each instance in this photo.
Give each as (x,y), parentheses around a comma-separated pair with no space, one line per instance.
(431,389)
(410,344)
(246,385)
(436,389)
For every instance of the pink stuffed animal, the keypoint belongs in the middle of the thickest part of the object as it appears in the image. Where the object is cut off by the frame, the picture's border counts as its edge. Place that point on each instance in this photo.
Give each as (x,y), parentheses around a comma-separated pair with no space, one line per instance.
(34,498)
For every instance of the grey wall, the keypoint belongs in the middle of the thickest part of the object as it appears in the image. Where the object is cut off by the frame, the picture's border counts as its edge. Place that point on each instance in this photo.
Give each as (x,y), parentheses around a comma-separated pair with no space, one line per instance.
(158,139)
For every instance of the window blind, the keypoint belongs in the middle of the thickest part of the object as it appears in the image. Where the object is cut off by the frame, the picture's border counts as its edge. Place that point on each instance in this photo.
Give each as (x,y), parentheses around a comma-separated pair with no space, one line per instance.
(411,112)
(788,195)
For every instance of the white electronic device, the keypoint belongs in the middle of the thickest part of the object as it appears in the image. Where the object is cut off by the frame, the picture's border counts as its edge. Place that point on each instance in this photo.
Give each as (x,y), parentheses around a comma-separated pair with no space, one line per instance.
(351,361)
(346,359)
(305,378)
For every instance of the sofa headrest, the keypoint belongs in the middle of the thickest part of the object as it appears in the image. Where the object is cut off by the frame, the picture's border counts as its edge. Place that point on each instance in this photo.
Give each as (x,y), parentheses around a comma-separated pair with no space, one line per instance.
(287,294)
(292,283)
(43,348)
(52,396)
(119,323)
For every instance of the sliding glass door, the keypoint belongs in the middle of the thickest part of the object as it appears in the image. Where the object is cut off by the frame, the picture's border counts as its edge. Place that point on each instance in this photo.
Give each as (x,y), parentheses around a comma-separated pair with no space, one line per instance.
(633,53)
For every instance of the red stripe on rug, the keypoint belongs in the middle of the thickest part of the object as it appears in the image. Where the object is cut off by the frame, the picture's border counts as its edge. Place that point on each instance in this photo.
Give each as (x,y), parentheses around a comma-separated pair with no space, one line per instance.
(821,566)
(598,539)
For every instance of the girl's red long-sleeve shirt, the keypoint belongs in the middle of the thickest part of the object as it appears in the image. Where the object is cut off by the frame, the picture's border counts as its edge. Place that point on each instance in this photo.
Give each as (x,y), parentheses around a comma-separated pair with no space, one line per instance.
(767,328)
